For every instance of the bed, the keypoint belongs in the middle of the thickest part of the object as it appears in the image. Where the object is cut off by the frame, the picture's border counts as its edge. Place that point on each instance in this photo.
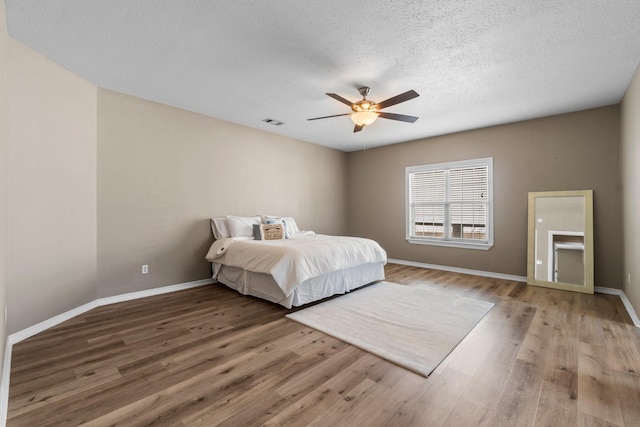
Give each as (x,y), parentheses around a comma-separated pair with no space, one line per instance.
(290,267)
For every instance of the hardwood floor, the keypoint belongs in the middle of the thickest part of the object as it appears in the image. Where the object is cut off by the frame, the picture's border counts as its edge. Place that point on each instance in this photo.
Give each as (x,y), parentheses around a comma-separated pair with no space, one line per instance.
(211,357)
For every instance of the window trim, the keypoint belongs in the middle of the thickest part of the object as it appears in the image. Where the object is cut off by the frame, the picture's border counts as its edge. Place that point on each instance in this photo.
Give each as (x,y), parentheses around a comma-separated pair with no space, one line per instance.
(468,244)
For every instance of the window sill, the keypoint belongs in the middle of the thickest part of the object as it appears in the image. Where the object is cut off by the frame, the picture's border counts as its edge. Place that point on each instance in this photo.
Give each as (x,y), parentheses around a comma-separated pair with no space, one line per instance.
(451,243)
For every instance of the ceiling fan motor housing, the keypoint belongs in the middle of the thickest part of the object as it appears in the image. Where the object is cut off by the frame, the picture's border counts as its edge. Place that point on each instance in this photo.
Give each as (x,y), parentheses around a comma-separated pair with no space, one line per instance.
(364,91)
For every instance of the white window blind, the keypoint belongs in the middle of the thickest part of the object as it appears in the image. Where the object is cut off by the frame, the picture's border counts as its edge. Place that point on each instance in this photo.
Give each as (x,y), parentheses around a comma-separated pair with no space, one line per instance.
(450,204)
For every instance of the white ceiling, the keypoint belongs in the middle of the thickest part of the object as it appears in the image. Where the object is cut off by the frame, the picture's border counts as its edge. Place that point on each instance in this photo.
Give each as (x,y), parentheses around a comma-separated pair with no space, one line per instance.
(474,63)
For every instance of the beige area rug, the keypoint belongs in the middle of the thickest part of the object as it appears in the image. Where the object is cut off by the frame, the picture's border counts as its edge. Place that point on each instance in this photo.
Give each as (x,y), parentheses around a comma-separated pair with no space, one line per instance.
(411,326)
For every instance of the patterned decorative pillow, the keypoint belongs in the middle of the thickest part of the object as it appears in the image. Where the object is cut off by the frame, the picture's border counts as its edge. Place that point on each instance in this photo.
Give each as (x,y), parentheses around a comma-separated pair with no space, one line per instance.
(268,232)
(290,226)
(273,221)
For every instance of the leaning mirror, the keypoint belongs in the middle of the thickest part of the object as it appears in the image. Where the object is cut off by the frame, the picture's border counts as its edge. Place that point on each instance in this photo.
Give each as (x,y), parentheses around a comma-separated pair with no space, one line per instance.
(560,243)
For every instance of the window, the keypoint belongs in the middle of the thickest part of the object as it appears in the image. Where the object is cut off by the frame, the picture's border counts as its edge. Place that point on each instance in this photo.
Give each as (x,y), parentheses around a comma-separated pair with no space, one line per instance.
(451,204)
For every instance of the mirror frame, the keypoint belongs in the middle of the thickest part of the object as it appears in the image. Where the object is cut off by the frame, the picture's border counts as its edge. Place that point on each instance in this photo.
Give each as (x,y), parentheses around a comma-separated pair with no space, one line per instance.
(588,241)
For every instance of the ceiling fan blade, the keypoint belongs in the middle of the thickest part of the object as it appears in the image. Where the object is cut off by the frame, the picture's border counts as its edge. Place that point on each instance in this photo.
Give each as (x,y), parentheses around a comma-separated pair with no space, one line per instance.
(326,117)
(341,99)
(410,94)
(357,128)
(399,117)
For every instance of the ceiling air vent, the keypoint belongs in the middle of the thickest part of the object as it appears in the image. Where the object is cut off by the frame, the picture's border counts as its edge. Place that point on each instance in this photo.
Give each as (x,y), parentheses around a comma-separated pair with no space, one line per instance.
(273,122)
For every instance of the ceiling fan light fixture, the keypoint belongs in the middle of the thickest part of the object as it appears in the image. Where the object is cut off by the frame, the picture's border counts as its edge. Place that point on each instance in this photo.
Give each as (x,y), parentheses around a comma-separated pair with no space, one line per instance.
(365,112)
(364,118)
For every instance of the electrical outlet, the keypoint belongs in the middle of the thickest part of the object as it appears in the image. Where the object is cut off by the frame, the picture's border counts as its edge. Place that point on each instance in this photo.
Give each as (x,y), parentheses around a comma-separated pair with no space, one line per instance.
(145,269)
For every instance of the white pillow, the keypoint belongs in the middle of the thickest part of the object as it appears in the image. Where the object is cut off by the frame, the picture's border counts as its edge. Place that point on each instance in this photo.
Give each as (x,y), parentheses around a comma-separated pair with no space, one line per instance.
(242,226)
(219,227)
(290,226)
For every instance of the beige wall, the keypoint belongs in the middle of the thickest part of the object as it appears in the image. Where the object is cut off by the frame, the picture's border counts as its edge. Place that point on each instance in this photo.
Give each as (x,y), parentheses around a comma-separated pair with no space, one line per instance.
(631,190)
(52,189)
(575,151)
(163,172)
(4,147)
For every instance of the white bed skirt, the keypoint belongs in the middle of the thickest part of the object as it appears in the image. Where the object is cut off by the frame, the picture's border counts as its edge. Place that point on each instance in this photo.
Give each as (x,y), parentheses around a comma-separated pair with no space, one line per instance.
(263,286)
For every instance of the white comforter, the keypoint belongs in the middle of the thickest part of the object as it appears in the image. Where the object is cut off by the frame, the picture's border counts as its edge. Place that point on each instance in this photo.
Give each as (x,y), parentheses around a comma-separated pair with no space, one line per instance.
(292,261)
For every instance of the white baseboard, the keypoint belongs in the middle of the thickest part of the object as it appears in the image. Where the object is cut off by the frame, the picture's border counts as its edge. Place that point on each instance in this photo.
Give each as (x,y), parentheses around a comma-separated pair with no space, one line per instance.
(460,270)
(625,302)
(599,289)
(16,337)
(49,323)
(152,292)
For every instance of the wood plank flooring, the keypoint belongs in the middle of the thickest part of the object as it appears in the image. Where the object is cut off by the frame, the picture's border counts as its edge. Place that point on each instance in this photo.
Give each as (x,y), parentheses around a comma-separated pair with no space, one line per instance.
(211,357)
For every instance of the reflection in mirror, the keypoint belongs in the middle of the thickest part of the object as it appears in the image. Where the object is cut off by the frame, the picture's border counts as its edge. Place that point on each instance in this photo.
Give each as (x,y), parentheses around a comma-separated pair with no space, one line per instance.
(560,251)
(559,226)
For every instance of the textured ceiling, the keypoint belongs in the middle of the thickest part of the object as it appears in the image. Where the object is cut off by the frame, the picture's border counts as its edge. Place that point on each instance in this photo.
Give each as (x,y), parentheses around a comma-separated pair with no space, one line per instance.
(474,63)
